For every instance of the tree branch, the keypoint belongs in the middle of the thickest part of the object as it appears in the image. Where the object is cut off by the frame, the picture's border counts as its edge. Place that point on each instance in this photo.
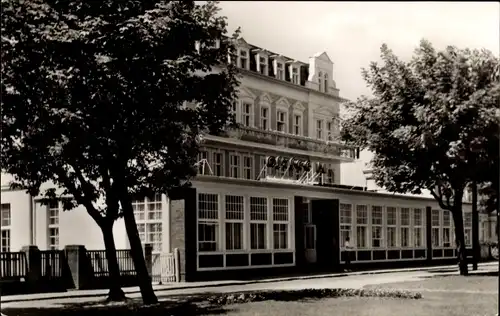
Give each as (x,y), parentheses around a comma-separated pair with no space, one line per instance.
(111,197)
(438,197)
(83,199)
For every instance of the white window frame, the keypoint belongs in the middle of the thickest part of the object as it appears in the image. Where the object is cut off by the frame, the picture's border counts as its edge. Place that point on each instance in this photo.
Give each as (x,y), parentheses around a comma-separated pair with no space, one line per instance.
(329,131)
(258,220)
(447,226)
(267,118)
(391,226)
(295,74)
(377,209)
(5,220)
(436,224)
(328,177)
(362,222)
(239,218)
(418,225)
(235,111)
(53,219)
(234,170)
(346,223)
(204,153)
(261,63)
(281,109)
(279,70)
(208,217)
(247,118)
(297,128)
(241,58)
(405,227)
(246,168)
(319,129)
(5,239)
(148,212)
(320,81)
(214,163)
(276,220)
(467,219)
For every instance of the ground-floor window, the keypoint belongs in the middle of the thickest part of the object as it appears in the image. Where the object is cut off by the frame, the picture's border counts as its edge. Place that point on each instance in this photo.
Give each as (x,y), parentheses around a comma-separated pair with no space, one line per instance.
(208,236)
(148,215)
(405,236)
(391,237)
(435,237)
(208,222)
(468,236)
(238,231)
(376,236)
(234,236)
(361,237)
(258,236)
(5,240)
(54,238)
(417,237)
(446,237)
(280,236)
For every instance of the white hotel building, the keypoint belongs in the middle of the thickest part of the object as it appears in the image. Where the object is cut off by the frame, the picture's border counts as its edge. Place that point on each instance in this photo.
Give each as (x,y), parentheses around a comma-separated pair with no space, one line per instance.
(245,215)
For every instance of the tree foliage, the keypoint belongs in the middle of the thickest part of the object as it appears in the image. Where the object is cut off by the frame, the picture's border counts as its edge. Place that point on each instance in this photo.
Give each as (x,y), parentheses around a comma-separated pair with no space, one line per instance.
(432,123)
(106,99)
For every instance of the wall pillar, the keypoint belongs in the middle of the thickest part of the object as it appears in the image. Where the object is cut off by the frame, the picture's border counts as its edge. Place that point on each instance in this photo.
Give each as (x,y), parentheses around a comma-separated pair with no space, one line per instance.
(428,232)
(34,266)
(76,256)
(183,234)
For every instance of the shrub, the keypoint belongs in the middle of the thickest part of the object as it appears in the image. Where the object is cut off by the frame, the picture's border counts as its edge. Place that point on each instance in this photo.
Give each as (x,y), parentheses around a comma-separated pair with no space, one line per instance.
(238,298)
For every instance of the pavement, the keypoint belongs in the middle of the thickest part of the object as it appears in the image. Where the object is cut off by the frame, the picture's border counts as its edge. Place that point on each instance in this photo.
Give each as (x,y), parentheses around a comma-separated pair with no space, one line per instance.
(333,280)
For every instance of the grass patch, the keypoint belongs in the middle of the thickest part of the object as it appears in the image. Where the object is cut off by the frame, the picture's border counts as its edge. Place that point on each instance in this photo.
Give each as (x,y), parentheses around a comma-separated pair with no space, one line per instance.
(431,304)
(451,283)
(208,304)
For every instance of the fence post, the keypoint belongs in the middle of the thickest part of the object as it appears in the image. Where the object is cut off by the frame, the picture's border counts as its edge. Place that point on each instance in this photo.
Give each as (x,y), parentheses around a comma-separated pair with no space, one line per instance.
(76,256)
(148,257)
(177,265)
(34,266)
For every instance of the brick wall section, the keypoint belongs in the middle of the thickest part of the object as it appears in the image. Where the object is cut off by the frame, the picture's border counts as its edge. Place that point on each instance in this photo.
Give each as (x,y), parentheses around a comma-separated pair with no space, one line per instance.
(178,232)
(183,229)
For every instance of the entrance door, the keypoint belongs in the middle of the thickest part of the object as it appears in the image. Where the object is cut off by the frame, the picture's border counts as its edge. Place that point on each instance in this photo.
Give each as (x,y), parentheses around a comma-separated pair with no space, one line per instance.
(310,243)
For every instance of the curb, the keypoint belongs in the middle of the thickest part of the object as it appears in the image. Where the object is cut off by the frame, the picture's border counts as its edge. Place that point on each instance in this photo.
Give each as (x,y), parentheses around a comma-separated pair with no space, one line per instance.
(286,279)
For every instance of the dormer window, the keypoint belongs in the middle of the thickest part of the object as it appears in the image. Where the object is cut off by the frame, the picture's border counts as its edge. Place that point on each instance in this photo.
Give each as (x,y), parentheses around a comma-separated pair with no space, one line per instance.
(263,65)
(320,81)
(280,71)
(243,60)
(261,60)
(295,75)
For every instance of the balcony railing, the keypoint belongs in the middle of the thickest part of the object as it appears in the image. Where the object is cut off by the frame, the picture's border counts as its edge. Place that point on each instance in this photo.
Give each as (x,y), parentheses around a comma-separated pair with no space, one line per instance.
(291,141)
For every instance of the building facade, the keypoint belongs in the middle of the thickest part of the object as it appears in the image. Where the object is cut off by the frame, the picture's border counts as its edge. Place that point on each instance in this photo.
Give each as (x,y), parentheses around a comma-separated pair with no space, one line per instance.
(268,195)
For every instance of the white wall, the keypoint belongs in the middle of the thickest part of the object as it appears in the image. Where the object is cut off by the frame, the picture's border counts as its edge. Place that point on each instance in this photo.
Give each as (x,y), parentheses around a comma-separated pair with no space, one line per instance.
(76,227)
(19,218)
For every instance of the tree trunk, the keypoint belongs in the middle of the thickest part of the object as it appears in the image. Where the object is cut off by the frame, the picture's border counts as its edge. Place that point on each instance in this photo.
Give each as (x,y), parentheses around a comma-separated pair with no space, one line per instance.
(115,291)
(145,284)
(476,247)
(460,238)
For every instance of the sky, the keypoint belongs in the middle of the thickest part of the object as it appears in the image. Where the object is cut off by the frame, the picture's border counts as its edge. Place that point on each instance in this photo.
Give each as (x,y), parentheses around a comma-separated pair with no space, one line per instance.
(351,33)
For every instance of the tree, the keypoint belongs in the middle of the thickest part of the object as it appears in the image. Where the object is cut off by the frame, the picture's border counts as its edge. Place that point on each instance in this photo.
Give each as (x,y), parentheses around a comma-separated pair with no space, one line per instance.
(432,123)
(106,100)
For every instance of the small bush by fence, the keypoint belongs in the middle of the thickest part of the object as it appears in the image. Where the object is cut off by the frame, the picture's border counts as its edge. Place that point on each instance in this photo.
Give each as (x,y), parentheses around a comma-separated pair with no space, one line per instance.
(32,270)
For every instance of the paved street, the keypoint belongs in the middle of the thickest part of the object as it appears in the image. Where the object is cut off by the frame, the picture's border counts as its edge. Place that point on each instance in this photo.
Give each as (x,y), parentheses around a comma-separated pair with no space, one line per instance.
(164,293)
